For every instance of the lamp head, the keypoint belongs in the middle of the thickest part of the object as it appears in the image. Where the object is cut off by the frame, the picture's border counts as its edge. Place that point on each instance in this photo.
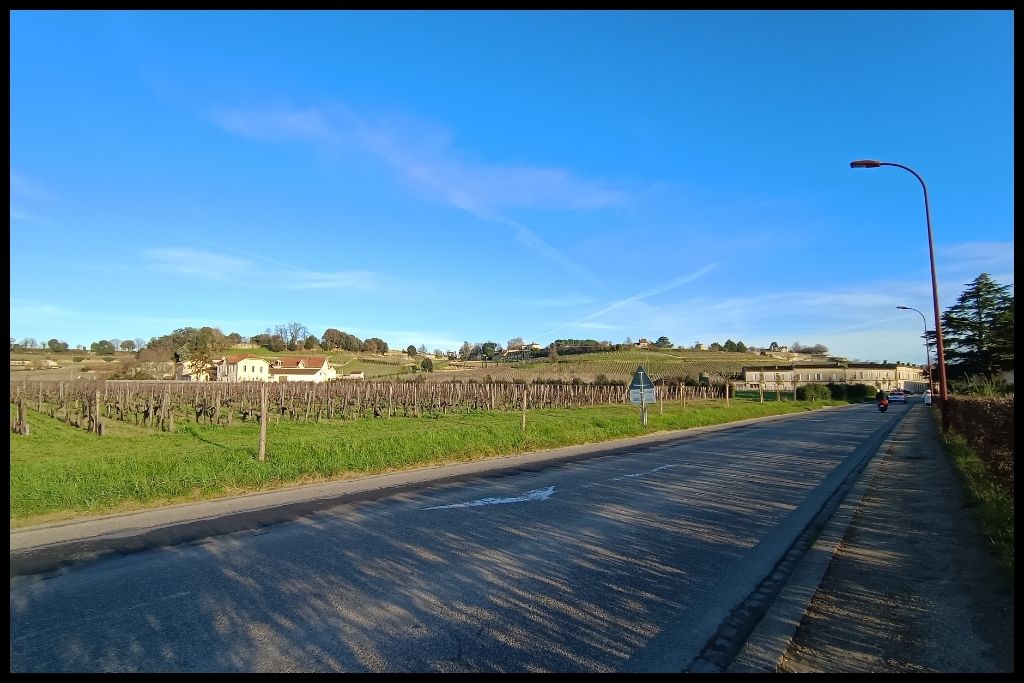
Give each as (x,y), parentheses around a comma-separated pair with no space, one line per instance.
(865,163)
(905,308)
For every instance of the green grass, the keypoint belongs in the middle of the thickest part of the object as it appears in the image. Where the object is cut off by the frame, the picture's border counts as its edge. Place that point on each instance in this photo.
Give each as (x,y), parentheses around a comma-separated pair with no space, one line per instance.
(59,472)
(992,503)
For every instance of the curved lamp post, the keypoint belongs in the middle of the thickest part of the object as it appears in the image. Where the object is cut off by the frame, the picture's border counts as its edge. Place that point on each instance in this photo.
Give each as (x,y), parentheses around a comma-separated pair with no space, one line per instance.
(927,351)
(871,163)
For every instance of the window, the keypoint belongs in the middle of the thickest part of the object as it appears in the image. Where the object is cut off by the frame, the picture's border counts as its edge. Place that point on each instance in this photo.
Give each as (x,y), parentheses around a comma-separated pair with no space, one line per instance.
(817,375)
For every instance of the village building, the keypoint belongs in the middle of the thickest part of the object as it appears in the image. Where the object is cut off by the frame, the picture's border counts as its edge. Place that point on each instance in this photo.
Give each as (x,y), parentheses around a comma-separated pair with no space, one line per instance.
(886,376)
(302,369)
(243,368)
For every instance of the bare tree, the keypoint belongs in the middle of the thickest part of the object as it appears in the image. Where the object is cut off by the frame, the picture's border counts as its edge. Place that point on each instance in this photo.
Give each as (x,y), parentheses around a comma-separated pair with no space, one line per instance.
(296,332)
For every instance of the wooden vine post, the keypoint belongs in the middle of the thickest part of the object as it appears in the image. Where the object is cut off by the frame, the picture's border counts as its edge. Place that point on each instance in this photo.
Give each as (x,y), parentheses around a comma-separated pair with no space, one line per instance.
(526,390)
(22,425)
(262,455)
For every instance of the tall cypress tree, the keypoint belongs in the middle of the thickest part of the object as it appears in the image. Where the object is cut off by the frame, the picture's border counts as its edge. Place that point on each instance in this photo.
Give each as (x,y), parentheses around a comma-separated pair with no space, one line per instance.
(977,331)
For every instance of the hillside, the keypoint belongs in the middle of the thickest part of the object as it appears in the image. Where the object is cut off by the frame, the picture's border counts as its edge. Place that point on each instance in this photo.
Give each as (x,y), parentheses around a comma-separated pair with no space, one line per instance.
(610,365)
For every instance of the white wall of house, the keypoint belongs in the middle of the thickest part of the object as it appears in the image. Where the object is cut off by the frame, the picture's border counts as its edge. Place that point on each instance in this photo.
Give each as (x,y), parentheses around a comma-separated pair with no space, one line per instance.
(322,374)
(245,370)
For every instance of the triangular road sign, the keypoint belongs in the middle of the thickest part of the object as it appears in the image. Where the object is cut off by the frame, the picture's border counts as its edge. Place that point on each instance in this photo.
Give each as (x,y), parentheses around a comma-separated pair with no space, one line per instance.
(641,380)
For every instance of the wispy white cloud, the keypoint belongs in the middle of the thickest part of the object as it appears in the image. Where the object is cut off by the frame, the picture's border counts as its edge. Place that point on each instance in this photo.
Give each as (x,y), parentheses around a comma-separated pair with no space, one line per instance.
(23,186)
(555,301)
(660,289)
(225,264)
(22,217)
(353,279)
(426,156)
(277,125)
(29,308)
(969,260)
(598,326)
(185,261)
(426,159)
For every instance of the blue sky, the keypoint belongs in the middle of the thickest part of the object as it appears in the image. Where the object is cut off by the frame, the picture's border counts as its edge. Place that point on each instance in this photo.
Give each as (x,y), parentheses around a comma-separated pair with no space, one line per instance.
(442,176)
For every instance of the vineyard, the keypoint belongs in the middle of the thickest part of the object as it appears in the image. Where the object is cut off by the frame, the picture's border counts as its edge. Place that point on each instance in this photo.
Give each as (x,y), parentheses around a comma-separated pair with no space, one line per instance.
(86,404)
(618,366)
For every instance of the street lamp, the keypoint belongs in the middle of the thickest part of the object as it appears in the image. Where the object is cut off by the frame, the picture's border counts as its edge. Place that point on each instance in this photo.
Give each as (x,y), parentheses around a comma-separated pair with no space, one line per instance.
(870,163)
(927,351)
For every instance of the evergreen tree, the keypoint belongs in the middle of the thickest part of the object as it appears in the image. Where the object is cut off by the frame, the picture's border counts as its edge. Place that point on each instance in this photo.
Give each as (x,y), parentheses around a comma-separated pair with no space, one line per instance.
(977,331)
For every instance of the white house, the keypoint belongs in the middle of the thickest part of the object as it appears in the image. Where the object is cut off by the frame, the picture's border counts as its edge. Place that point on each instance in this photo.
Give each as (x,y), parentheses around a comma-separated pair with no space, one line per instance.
(302,369)
(243,368)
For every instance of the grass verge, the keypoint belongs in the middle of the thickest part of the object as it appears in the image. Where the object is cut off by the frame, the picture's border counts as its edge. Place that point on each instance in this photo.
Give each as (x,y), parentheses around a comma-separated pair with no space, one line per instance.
(993,505)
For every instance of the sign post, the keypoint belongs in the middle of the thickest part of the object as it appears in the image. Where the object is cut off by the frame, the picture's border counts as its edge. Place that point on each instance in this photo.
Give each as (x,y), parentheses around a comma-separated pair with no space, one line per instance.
(641,391)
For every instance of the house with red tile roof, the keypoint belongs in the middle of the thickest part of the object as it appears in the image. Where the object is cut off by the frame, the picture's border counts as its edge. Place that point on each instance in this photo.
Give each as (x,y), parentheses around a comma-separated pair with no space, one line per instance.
(302,369)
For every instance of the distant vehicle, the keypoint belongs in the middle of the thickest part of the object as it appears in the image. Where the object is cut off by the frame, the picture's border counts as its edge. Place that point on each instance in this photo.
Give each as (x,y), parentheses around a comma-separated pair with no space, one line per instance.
(897,396)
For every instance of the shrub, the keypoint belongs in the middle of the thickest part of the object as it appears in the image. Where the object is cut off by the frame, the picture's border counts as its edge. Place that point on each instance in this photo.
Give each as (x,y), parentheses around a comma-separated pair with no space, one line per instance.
(838,391)
(813,392)
(860,392)
(980,385)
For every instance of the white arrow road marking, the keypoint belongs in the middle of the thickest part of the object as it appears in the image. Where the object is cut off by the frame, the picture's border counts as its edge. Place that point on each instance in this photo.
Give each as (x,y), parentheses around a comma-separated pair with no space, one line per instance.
(640,474)
(536,494)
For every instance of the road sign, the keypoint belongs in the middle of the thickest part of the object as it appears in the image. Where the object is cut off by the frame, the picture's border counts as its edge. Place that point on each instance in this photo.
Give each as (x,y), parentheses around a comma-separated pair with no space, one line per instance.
(641,380)
(641,389)
(641,396)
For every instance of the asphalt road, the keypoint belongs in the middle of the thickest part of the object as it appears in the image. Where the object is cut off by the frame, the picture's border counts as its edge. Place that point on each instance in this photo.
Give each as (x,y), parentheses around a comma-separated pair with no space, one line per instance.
(620,562)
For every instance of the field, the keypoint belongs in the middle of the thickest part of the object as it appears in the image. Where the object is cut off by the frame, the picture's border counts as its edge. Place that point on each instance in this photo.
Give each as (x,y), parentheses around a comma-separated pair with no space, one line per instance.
(59,471)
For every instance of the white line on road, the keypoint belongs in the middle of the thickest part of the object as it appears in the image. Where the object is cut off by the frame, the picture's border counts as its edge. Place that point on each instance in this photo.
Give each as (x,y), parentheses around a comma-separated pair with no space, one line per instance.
(640,474)
(536,494)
